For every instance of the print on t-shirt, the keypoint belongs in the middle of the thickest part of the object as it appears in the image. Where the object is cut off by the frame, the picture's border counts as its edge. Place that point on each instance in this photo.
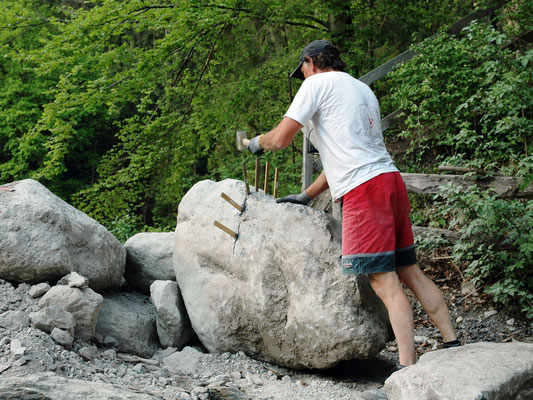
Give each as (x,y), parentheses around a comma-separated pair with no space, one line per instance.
(368,129)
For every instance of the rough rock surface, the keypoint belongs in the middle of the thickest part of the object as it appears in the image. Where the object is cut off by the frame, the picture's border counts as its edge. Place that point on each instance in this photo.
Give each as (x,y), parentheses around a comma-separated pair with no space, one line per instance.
(14,320)
(130,319)
(52,317)
(149,258)
(52,386)
(276,292)
(42,238)
(173,325)
(193,374)
(488,371)
(83,304)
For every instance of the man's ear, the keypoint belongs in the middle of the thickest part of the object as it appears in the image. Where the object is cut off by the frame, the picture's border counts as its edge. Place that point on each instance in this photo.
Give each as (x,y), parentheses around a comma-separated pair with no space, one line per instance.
(311,64)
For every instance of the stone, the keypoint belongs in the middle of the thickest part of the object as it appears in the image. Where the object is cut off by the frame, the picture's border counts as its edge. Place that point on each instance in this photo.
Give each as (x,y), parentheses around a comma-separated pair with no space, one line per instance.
(38,290)
(374,394)
(62,338)
(160,354)
(87,352)
(42,238)
(52,386)
(173,325)
(129,317)
(149,258)
(469,288)
(74,280)
(489,313)
(17,350)
(110,341)
(488,371)
(83,304)
(21,361)
(52,317)
(14,320)
(276,292)
(224,393)
(184,361)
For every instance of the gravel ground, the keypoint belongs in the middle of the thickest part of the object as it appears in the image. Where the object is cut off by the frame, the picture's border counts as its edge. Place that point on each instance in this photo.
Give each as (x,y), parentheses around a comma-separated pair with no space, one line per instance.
(236,376)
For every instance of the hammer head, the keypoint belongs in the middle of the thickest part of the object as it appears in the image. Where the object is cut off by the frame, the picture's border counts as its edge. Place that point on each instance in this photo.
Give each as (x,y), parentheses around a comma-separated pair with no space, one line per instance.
(242,140)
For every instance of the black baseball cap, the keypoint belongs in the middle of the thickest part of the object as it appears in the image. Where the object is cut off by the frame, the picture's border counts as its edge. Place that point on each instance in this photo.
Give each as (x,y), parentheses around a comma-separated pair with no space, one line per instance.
(314,48)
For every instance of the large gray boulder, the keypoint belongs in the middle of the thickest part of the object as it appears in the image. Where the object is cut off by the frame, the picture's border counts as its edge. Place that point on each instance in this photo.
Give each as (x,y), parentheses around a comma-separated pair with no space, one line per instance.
(487,371)
(276,292)
(149,258)
(129,318)
(173,325)
(42,238)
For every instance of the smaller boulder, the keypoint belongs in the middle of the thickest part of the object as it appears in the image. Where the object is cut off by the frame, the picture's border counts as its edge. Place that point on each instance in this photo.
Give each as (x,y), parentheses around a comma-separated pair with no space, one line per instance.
(62,338)
(38,290)
(173,325)
(490,371)
(129,317)
(183,362)
(83,304)
(74,280)
(149,258)
(53,317)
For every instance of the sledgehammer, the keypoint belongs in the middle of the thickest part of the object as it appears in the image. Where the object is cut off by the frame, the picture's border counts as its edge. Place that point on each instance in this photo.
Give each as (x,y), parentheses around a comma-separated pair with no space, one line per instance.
(242,140)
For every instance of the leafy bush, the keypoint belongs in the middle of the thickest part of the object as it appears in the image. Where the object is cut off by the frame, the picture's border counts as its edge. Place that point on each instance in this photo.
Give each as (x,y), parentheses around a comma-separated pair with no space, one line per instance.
(496,242)
(467,101)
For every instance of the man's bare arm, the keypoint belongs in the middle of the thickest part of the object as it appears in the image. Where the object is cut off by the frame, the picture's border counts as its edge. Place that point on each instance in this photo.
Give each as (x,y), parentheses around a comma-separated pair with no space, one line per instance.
(281,136)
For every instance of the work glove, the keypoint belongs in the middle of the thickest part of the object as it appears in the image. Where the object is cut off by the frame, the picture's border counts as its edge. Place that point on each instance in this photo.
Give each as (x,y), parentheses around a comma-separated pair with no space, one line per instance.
(301,198)
(254,147)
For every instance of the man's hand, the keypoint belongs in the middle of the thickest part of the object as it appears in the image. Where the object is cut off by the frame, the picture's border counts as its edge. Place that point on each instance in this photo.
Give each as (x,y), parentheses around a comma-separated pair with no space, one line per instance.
(255,147)
(301,198)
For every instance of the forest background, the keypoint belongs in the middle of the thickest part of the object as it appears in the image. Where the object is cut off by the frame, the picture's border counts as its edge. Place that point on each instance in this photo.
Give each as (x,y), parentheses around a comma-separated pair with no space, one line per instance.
(119,107)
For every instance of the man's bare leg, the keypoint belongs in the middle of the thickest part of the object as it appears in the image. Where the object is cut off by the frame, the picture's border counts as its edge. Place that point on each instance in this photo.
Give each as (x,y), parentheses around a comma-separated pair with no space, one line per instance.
(430,298)
(389,289)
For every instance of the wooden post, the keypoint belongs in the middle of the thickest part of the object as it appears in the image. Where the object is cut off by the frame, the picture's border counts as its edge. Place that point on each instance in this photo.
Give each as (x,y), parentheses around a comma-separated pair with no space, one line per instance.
(307,172)
(257,174)
(276,177)
(267,172)
(245,174)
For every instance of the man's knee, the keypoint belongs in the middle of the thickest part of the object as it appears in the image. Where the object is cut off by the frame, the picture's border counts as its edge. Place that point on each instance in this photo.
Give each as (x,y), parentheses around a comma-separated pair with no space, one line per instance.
(385,283)
(409,275)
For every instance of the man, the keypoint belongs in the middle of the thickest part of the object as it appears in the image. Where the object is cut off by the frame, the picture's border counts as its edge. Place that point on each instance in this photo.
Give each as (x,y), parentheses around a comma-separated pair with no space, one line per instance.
(377,238)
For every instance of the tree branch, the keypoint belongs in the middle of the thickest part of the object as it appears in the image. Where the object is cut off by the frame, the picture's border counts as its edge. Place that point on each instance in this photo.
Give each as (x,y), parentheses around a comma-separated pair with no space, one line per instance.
(208,59)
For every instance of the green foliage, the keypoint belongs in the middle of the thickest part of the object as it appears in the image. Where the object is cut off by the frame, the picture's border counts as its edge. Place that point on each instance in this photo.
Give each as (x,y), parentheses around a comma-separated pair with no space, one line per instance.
(120,107)
(496,242)
(467,101)
(125,226)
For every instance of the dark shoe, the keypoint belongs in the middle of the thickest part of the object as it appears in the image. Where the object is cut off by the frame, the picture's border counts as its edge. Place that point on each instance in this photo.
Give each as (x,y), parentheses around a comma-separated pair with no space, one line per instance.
(453,343)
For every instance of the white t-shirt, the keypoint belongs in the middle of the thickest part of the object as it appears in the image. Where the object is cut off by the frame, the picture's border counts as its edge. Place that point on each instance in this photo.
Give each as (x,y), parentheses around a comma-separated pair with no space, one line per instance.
(346,117)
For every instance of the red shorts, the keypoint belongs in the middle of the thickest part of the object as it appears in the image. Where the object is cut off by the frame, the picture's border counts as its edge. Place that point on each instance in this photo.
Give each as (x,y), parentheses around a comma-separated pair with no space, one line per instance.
(376,230)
